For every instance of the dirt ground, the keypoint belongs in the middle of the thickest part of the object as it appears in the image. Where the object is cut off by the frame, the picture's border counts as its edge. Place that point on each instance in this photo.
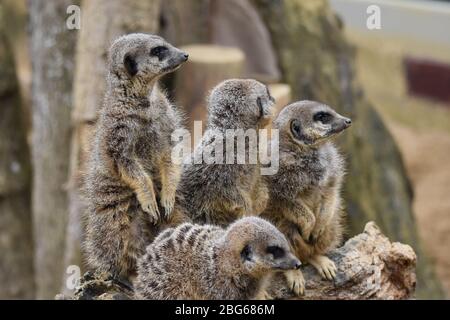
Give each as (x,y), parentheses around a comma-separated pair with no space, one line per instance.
(422,130)
(426,155)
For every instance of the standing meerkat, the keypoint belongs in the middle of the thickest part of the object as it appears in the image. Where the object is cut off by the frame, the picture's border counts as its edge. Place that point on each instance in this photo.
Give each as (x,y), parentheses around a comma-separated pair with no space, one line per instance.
(130,168)
(221,193)
(208,262)
(305,201)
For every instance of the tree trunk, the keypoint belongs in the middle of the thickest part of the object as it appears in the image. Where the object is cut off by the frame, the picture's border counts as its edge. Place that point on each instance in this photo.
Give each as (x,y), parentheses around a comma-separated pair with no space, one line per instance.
(16,246)
(369,266)
(317,62)
(207,66)
(52,48)
(102,22)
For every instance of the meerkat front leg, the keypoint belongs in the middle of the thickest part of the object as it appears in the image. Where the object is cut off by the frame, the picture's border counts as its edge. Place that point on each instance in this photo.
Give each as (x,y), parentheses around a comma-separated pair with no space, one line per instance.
(328,208)
(324,265)
(141,183)
(302,216)
(170,176)
(260,198)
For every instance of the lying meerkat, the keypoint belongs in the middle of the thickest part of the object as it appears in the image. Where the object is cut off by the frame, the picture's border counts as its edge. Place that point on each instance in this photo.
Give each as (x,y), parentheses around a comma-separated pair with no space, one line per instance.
(208,262)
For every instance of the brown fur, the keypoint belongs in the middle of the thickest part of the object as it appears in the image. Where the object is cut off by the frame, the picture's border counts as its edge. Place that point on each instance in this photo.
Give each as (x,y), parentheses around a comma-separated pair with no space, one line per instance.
(208,262)
(221,193)
(131,180)
(305,202)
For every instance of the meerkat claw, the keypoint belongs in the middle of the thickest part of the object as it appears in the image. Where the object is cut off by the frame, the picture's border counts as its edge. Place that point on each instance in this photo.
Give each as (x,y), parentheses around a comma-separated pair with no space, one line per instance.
(296,282)
(168,204)
(263,295)
(151,208)
(326,267)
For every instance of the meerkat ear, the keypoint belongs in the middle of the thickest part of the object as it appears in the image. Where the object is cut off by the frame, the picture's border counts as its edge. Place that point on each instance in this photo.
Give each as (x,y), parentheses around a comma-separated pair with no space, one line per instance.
(130,64)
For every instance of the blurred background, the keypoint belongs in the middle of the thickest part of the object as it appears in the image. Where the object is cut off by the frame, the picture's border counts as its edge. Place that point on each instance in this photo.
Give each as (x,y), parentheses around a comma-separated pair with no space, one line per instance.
(385,64)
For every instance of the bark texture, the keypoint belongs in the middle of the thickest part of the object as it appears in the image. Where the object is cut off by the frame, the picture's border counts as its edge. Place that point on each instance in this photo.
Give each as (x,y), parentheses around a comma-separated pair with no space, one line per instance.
(52,48)
(369,267)
(102,22)
(316,60)
(16,243)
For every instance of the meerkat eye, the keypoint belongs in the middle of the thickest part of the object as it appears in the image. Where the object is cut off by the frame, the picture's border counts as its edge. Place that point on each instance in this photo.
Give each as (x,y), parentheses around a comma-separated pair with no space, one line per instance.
(296,128)
(276,251)
(246,253)
(159,52)
(323,117)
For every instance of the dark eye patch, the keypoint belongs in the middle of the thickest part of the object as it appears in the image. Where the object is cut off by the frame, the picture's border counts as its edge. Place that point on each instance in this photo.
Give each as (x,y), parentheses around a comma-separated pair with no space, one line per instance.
(323,117)
(159,52)
(246,253)
(296,129)
(276,251)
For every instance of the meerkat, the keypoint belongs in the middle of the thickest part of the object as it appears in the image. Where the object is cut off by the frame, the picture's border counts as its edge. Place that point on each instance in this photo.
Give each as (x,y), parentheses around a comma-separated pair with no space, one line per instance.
(131,180)
(305,201)
(221,193)
(209,262)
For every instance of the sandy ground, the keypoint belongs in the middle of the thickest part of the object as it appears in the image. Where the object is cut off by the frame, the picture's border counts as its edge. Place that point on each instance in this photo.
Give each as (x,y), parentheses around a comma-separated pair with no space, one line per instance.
(426,156)
(422,131)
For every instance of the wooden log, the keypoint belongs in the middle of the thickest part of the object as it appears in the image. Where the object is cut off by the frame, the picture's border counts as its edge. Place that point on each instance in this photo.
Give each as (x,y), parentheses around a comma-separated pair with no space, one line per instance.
(207,66)
(369,267)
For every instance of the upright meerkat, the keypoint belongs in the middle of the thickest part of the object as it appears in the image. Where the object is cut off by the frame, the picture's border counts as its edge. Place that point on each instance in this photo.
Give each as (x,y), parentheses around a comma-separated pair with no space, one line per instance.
(221,193)
(130,176)
(208,262)
(305,201)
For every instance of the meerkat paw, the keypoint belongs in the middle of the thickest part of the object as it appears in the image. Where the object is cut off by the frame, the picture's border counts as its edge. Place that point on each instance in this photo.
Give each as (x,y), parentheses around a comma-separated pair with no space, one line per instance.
(263,295)
(150,206)
(325,266)
(296,282)
(168,202)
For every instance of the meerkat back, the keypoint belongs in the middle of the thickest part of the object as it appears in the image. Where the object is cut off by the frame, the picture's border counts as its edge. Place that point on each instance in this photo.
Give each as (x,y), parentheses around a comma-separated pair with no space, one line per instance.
(220,193)
(208,262)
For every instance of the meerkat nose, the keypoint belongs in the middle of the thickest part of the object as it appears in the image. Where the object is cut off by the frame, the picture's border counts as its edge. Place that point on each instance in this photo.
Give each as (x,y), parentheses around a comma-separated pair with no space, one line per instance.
(298,265)
(348,121)
(186,56)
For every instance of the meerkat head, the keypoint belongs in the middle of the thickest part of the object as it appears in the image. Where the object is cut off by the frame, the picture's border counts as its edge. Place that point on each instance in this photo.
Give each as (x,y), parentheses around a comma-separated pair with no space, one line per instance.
(145,56)
(240,104)
(310,123)
(255,247)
